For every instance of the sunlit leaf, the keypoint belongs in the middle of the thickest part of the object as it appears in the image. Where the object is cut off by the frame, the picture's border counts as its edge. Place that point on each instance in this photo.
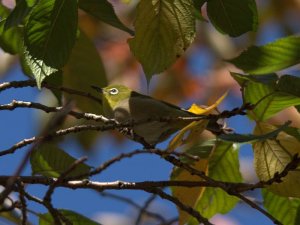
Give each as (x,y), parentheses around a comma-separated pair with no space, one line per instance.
(186,195)
(271,156)
(50,161)
(73,217)
(37,68)
(269,58)
(233,17)
(223,166)
(268,94)
(104,11)
(286,210)
(164,30)
(50,33)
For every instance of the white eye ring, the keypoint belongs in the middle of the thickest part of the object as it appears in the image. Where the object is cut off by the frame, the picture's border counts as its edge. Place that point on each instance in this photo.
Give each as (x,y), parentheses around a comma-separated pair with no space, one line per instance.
(113,91)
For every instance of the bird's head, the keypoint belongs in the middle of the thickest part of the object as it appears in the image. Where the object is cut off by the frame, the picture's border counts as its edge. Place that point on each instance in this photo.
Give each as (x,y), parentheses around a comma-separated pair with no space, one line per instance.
(113,94)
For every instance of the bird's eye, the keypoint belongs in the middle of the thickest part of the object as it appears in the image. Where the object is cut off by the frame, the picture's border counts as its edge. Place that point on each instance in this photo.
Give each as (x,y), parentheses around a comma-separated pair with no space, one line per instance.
(113,91)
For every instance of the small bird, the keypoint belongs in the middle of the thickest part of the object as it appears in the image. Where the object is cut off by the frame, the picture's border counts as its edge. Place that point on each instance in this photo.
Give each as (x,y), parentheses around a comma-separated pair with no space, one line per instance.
(125,105)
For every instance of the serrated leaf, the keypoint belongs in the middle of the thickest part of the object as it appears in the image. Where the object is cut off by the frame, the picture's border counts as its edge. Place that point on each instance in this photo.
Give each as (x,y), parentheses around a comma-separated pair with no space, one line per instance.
(268,99)
(223,166)
(50,31)
(286,210)
(50,161)
(233,17)
(73,217)
(37,68)
(11,39)
(271,156)
(241,138)
(186,195)
(104,11)
(164,30)
(269,58)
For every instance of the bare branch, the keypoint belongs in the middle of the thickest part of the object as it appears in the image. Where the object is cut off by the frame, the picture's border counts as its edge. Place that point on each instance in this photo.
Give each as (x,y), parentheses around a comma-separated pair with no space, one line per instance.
(78,115)
(179,204)
(135,205)
(32,83)
(144,208)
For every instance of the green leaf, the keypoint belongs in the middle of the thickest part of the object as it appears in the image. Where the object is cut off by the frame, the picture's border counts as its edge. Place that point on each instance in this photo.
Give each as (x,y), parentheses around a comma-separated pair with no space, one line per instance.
(241,138)
(37,68)
(286,210)
(50,32)
(50,161)
(17,15)
(233,17)
(164,30)
(75,218)
(295,132)
(85,60)
(271,157)
(268,99)
(11,39)
(84,68)
(104,11)
(264,79)
(223,166)
(269,58)
(289,84)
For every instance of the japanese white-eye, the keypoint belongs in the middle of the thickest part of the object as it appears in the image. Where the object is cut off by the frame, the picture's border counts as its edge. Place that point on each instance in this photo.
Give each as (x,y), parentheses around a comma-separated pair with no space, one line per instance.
(125,105)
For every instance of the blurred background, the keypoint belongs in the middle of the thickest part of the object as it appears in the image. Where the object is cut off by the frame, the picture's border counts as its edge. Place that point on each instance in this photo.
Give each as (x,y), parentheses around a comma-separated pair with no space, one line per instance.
(200,76)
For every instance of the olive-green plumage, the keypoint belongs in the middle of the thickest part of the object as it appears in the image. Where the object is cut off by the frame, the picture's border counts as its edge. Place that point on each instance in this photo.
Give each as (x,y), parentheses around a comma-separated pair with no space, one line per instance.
(123,104)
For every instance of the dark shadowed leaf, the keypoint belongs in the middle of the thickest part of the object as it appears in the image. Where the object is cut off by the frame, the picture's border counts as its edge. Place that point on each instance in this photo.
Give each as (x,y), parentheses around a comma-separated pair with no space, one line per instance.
(241,138)
(164,30)
(286,210)
(104,11)
(50,161)
(10,39)
(269,58)
(84,68)
(233,17)
(73,217)
(17,15)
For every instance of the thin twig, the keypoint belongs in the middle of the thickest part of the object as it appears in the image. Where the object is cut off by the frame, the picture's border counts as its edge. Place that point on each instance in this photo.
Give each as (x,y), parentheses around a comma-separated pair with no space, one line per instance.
(32,83)
(78,115)
(179,204)
(135,205)
(144,208)
(23,202)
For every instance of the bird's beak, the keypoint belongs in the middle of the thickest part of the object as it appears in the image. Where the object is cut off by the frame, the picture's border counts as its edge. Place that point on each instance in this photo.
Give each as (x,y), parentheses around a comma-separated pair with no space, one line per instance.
(100,90)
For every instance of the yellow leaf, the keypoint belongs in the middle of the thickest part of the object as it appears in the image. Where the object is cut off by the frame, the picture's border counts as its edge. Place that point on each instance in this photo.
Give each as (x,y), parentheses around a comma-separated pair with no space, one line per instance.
(199,110)
(194,128)
(271,156)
